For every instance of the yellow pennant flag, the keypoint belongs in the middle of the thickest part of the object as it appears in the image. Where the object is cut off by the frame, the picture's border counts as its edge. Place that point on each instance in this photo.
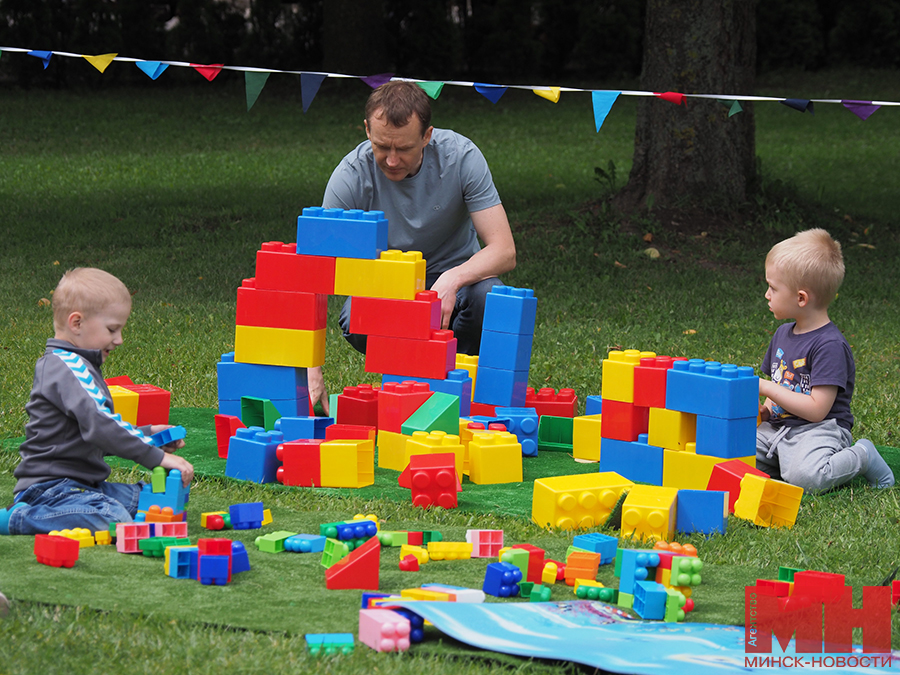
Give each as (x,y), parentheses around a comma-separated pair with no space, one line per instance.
(102,61)
(551,94)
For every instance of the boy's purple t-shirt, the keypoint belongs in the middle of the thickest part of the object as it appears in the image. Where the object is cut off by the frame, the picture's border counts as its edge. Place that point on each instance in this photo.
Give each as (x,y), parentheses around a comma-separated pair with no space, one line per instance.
(818,358)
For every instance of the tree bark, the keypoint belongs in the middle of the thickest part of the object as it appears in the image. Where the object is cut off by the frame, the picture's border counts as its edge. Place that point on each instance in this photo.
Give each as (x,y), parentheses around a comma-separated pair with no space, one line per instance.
(694,153)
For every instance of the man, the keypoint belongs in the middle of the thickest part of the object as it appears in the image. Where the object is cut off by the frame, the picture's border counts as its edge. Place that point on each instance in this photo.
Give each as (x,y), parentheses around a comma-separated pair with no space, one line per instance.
(438,195)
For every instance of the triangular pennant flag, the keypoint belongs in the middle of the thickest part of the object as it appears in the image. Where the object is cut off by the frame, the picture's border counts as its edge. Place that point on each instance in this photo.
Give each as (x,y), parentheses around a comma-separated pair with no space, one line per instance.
(376,81)
(153,69)
(670,96)
(551,93)
(433,89)
(309,87)
(801,104)
(254,83)
(492,92)
(210,71)
(100,62)
(734,107)
(43,56)
(862,109)
(603,103)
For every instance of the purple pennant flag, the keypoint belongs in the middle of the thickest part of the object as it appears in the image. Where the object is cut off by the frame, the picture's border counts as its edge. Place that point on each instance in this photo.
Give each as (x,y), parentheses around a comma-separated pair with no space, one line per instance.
(43,56)
(376,81)
(801,104)
(862,109)
(309,87)
(492,92)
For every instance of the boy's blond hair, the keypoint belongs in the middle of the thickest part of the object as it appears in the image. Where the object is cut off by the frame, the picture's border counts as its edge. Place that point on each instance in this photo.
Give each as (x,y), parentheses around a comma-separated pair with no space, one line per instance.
(86,290)
(811,261)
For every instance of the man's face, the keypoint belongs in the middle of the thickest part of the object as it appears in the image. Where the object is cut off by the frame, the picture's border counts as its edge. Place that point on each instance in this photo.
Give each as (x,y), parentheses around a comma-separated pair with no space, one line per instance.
(398,151)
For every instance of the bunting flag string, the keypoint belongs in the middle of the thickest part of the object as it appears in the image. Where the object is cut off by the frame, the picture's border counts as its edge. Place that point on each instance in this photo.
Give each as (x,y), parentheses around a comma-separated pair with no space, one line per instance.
(602,100)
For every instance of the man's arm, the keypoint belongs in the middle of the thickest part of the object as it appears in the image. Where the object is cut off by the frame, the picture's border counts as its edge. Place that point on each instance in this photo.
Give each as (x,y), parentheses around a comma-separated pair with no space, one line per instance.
(812,407)
(497,257)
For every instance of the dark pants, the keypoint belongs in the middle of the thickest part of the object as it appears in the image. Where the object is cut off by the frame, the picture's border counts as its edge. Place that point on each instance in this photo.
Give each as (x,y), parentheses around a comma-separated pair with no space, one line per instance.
(465,322)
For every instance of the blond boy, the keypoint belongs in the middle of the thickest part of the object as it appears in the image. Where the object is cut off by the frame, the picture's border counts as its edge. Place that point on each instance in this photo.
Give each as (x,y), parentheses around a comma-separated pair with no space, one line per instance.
(71,428)
(805,438)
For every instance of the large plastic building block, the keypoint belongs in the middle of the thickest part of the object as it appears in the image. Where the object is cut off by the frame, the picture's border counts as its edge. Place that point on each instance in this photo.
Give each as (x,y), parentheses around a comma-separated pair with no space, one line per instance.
(596,542)
(633,566)
(359,570)
(649,513)
(704,511)
(506,351)
(768,502)
(593,405)
(485,543)
(469,364)
(523,422)
(546,401)
(358,405)
(650,600)
(305,543)
(280,309)
(339,233)
(414,319)
(432,358)
(495,458)
(726,438)
(502,580)
(279,346)
(624,421)
(398,400)
(152,401)
(384,630)
(690,471)
(727,476)
(433,480)
(280,384)
(433,443)
(303,427)
(583,500)
(259,412)
(246,516)
(713,389)
(556,433)
(279,267)
(637,461)
(510,310)
(439,413)
(500,387)
(824,587)
(586,431)
(672,429)
(55,551)
(252,455)
(347,463)
(617,378)
(175,495)
(125,403)
(226,427)
(129,535)
(392,450)
(328,644)
(181,562)
(395,275)
(650,381)
(458,383)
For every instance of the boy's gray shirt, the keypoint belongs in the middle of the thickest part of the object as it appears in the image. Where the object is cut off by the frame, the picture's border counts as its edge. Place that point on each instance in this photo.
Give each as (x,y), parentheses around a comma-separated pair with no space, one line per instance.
(68,434)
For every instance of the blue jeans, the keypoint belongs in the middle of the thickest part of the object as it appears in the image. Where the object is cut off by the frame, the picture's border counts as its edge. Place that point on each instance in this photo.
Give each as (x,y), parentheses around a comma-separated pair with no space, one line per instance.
(465,322)
(64,504)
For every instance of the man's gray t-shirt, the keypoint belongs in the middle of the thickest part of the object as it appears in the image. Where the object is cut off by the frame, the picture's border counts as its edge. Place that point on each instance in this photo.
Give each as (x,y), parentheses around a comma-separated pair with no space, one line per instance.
(428,212)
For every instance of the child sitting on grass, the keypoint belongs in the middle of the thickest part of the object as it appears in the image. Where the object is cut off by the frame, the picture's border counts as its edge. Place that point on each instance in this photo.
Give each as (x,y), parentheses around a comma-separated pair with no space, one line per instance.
(805,437)
(71,428)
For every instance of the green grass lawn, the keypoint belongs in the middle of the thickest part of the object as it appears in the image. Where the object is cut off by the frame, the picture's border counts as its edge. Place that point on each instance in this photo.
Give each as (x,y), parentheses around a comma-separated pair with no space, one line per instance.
(173,190)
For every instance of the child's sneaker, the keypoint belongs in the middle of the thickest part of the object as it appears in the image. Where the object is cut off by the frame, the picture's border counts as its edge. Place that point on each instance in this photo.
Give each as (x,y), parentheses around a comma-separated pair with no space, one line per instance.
(877,472)
(4,516)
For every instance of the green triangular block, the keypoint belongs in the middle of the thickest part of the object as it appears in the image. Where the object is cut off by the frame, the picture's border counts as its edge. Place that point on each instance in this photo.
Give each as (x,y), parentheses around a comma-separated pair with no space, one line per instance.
(438,413)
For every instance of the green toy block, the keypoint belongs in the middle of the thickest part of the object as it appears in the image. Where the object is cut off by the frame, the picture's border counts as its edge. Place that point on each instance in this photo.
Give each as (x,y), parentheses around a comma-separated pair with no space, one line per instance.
(555,433)
(328,644)
(518,557)
(625,600)
(674,604)
(333,405)
(431,535)
(539,593)
(334,550)
(158,479)
(259,412)
(155,547)
(525,588)
(273,542)
(787,573)
(393,538)
(438,413)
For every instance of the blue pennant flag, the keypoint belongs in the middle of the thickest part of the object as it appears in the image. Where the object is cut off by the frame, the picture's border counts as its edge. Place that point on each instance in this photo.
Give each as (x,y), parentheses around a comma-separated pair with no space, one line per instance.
(43,56)
(309,87)
(153,69)
(492,92)
(603,103)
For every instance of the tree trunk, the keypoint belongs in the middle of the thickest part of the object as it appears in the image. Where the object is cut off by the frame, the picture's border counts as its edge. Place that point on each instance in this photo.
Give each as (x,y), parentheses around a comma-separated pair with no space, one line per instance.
(694,153)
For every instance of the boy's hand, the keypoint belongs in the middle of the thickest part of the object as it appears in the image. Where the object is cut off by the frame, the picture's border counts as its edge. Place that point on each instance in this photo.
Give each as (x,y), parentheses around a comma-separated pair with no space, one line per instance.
(174,445)
(181,464)
(764,413)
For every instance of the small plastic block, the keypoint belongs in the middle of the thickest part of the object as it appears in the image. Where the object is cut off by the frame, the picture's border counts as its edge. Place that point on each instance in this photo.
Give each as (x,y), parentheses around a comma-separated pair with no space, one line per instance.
(502,580)
(713,389)
(273,542)
(727,476)
(429,536)
(588,589)
(213,569)
(384,630)
(182,561)
(333,552)
(305,543)
(549,573)
(393,539)
(167,436)
(414,319)
(649,513)
(433,480)
(175,495)
(582,500)
(158,479)
(768,502)
(347,463)
(485,543)
(417,551)
(398,275)
(449,550)
(495,458)
(676,606)
(279,308)
(223,548)
(179,529)
(505,351)
(704,511)
(214,520)
(240,561)
(495,386)
(633,566)
(457,593)
(155,547)
(547,402)
(339,233)
(103,538)
(685,571)
(672,429)
(523,422)
(329,644)
(511,310)
(534,563)
(787,573)
(226,427)
(246,516)
(586,432)
(636,460)
(55,551)
(300,463)
(540,593)
(556,433)
(624,421)
(359,570)
(581,565)
(128,536)
(409,563)
(617,375)
(597,542)
(259,412)
(423,594)
(650,600)
(727,438)
(358,405)
(353,530)
(280,267)
(252,455)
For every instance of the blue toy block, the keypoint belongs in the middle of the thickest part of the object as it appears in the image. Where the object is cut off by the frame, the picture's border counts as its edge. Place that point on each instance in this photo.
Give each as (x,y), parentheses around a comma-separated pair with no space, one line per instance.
(500,387)
(240,561)
(596,542)
(246,516)
(305,543)
(342,234)
(727,438)
(368,596)
(502,580)
(593,405)
(326,644)
(703,511)
(634,565)
(458,383)
(356,530)
(650,600)
(712,389)
(523,422)
(510,310)
(505,351)
(634,460)
(416,624)
(183,562)
(251,455)
(303,427)
(213,569)
(175,496)
(167,436)
(279,384)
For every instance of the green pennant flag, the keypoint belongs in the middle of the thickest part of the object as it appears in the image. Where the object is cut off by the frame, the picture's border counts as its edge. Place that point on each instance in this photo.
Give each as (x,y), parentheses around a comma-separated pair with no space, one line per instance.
(433,89)
(254,83)
(734,107)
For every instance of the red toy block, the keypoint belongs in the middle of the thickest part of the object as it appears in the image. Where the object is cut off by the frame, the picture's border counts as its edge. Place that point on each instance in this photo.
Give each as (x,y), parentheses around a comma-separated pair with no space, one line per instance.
(535,562)
(358,405)
(153,404)
(336,432)
(414,538)
(397,401)
(624,421)
(359,570)
(414,319)
(55,551)
(226,426)
(433,480)
(822,587)
(482,410)
(301,463)
(772,587)
(650,381)
(409,563)
(726,476)
(278,267)
(547,402)
(895,592)
(120,381)
(432,358)
(280,309)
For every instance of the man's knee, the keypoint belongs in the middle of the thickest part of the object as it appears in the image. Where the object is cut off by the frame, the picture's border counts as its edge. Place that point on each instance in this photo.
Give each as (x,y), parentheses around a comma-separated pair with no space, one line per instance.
(358,342)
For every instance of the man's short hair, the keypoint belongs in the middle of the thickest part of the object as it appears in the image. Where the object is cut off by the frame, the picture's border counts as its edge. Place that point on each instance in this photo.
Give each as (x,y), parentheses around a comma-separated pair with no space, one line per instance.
(398,101)
(86,290)
(812,261)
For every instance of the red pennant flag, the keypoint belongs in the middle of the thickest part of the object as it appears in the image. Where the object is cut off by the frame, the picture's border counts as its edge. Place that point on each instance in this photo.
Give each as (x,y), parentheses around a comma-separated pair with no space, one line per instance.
(210,71)
(671,97)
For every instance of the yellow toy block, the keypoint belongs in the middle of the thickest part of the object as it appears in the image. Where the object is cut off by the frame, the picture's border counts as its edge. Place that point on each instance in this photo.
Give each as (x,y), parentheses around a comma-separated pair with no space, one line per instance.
(465,437)
(593,583)
(368,516)
(449,550)
(347,463)
(768,502)
(583,500)
(690,471)
(586,438)
(102,537)
(420,553)
(617,378)
(672,429)
(204,516)
(392,450)
(279,346)
(424,594)
(267,517)
(125,403)
(495,457)
(649,512)
(470,365)
(433,443)
(80,534)
(549,573)
(396,274)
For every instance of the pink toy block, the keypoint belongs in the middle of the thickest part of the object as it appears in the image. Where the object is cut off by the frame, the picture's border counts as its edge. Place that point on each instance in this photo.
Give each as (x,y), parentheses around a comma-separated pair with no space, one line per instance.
(485,543)
(129,534)
(384,630)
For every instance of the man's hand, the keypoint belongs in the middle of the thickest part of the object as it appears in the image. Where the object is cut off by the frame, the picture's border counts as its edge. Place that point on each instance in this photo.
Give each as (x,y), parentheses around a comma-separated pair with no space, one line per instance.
(181,464)
(446,287)
(317,392)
